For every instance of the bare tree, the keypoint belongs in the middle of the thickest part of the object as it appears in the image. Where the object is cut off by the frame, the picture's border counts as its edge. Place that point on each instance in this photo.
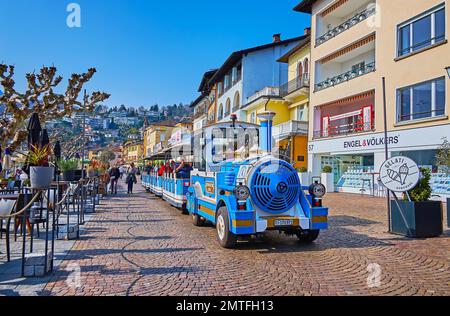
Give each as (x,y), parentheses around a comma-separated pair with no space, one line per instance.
(40,97)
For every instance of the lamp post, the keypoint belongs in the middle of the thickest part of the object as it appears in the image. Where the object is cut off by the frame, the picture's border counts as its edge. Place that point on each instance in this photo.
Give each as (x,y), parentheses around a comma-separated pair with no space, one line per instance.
(448,71)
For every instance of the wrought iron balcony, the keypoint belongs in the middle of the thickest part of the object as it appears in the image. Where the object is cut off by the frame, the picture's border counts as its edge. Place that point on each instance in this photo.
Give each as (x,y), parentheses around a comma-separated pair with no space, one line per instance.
(343,130)
(294,85)
(349,75)
(358,18)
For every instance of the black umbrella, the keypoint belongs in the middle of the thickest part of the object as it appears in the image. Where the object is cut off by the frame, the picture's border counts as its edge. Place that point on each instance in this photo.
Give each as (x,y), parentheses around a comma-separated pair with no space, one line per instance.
(1,168)
(34,130)
(57,150)
(44,139)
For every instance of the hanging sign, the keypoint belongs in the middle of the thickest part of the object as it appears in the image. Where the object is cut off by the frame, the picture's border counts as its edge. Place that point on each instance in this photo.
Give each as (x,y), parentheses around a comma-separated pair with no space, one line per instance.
(400,174)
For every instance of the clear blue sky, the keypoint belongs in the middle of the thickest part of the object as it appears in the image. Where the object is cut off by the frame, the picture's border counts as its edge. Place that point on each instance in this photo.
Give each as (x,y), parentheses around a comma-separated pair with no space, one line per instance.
(145,51)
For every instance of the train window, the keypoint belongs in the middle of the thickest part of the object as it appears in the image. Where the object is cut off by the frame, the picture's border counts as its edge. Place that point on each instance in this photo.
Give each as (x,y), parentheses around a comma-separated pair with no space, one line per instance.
(199,151)
(234,143)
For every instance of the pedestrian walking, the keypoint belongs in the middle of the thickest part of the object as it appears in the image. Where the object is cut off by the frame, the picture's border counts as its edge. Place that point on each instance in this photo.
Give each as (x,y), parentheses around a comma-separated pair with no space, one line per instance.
(131,179)
(114,174)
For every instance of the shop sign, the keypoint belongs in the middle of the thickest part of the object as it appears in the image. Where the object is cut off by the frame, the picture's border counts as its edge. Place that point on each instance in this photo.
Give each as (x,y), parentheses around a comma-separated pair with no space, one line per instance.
(400,174)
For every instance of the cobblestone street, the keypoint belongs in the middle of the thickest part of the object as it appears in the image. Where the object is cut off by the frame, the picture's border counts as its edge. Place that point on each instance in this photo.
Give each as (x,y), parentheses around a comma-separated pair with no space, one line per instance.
(139,245)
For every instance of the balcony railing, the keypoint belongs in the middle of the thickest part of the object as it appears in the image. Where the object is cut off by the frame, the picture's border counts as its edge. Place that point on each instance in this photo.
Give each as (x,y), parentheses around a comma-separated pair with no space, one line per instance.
(345,129)
(200,112)
(266,92)
(294,85)
(349,75)
(358,18)
(290,128)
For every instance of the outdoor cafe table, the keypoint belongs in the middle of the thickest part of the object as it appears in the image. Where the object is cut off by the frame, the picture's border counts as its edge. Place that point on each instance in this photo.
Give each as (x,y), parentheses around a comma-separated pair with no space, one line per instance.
(9,196)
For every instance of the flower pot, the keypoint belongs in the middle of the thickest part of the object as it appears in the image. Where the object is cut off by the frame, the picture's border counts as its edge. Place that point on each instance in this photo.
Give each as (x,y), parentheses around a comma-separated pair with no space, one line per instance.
(68,176)
(41,177)
(304,178)
(417,219)
(328,181)
(79,175)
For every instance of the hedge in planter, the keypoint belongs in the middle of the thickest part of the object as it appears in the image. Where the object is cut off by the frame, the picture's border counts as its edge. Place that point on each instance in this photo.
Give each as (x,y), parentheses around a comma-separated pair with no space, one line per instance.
(420,218)
(68,169)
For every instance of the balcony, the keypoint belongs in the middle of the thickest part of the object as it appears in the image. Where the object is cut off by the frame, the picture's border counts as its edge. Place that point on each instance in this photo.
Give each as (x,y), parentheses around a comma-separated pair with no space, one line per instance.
(294,85)
(347,76)
(358,18)
(200,112)
(344,129)
(291,128)
(266,92)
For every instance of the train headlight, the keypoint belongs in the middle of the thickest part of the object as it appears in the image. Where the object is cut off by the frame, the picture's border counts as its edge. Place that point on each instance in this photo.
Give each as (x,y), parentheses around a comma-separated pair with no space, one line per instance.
(242,192)
(318,190)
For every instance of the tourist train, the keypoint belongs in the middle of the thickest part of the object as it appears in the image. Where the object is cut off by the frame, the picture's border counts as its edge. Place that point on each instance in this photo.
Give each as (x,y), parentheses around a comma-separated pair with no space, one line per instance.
(239,186)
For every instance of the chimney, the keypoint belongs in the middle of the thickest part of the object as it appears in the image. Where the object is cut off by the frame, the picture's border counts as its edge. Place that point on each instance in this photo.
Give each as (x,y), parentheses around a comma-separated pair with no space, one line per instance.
(308,31)
(276,38)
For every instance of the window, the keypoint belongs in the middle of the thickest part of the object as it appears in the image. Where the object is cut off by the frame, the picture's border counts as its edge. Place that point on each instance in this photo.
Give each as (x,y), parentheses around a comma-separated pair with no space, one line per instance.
(306,67)
(220,88)
(421,101)
(220,113)
(300,70)
(424,31)
(237,101)
(253,118)
(228,107)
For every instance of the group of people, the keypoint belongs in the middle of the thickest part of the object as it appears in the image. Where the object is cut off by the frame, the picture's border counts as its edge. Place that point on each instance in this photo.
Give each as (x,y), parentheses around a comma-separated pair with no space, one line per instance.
(117,172)
(182,169)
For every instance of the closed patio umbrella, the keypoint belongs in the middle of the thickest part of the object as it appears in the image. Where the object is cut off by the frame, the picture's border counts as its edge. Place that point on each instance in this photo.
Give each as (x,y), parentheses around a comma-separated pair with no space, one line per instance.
(44,139)
(7,164)
(34,130)
(57,150)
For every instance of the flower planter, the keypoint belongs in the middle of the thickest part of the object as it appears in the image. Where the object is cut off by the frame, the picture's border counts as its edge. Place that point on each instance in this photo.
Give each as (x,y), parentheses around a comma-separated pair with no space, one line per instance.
(304,178)
(79,175)
(68,176)
(419,220)
(41,177)
(328,181)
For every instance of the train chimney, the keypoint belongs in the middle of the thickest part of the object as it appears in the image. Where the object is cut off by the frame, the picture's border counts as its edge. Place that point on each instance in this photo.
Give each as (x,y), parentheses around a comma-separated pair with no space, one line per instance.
(266,137)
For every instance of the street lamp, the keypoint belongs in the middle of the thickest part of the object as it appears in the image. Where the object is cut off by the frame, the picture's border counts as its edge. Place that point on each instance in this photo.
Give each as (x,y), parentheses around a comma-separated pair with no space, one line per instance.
(448,71)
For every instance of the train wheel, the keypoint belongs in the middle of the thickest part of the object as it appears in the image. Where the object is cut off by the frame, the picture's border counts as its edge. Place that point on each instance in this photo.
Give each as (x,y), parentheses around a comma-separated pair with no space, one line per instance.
(308,236)
(224,235)
(196,220)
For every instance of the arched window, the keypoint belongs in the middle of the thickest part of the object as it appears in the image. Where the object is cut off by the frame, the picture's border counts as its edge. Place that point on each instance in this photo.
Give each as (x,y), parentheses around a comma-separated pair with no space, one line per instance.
(220,112)
(237,101)
(299,70)
(306,68)
(228,107)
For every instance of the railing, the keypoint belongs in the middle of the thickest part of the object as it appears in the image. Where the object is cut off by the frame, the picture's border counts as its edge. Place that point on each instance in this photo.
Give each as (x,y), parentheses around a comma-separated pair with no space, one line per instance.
(343,130)
(358,18)
(266,92)
(349,75)
(290,128)
(201,111)
(294,85)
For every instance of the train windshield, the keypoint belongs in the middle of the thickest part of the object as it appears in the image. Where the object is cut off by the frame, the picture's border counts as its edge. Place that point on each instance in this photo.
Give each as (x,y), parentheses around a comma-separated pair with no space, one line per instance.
(234,143)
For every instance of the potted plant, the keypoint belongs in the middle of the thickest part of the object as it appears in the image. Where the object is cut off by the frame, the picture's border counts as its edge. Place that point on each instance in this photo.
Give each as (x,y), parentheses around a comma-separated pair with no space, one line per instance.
(41,173)
(420,217)
(68,168)
(304,176)
(328,178)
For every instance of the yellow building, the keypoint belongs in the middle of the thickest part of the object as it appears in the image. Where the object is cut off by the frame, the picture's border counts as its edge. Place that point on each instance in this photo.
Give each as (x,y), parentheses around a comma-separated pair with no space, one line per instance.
(156,137)
(290,103)
(132,152)
(357,43)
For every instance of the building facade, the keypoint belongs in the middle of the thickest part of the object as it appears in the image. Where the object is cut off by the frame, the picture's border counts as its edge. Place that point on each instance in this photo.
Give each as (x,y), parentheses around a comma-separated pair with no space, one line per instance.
(132,152)
(355,44)
(246,72)
(156,137)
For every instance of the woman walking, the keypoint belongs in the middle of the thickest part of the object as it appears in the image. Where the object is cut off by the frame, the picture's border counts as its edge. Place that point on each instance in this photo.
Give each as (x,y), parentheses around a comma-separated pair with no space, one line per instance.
(131,178)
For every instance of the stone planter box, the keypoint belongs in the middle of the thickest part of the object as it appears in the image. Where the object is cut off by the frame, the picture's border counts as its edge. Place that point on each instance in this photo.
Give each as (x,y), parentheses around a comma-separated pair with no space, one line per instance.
(304,178)
(328,181)
(35,265)
(41,177)
(419,220)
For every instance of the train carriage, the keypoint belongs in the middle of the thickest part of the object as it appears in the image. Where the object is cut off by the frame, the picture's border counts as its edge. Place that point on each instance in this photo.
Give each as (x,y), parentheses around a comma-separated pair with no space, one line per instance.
(241,188)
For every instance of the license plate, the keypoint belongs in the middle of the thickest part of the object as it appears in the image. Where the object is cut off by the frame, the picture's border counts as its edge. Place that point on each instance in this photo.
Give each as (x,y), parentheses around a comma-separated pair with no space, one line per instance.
(289,222)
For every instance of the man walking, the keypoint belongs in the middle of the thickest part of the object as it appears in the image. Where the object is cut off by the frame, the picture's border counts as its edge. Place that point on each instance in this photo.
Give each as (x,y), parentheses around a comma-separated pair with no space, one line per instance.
(114,173)
(131,178)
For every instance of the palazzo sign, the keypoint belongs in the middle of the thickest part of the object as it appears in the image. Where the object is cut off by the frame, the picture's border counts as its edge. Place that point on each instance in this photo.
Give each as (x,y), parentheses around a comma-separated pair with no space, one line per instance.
(400,174)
